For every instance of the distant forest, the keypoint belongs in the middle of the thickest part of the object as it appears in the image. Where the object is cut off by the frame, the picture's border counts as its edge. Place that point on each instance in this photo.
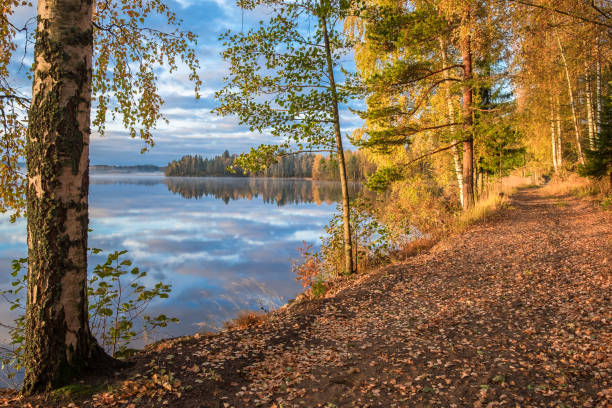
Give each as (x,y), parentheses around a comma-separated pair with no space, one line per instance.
(143,168)
(307,165)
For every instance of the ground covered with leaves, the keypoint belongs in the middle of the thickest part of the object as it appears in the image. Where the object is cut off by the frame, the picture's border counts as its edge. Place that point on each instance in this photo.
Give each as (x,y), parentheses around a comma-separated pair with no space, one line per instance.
(515,312)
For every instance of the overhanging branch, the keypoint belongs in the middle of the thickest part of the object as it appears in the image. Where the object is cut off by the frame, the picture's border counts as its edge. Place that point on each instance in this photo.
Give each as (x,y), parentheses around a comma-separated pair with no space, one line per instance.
(565,13)
(431,153)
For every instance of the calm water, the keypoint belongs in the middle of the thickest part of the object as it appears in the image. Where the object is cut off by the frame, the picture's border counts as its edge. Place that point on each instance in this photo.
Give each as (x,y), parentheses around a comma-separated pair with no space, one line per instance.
(225,244)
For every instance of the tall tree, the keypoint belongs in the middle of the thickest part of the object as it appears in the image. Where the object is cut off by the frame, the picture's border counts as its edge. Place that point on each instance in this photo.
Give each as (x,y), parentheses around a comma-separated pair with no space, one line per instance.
(562,51)
(283,79)
(465,45)
(59,344)
(58,339)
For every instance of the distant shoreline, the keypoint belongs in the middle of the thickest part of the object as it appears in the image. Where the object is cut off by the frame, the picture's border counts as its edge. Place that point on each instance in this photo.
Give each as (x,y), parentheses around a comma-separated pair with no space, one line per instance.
(145,168)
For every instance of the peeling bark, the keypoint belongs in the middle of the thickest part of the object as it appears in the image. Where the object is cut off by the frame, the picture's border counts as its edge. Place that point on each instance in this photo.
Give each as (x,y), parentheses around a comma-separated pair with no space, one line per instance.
(59,343)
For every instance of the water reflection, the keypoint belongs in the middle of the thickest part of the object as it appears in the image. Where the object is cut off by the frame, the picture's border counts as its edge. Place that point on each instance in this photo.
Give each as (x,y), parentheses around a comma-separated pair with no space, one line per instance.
(277,191)
(223,244)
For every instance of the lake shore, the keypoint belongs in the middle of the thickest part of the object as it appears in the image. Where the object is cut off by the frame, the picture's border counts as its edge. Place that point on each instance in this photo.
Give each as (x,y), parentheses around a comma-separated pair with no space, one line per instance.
(511,311)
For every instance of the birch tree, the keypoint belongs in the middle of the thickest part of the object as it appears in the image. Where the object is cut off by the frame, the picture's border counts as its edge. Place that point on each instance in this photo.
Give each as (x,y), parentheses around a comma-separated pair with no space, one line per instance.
(74,39)
(284,80)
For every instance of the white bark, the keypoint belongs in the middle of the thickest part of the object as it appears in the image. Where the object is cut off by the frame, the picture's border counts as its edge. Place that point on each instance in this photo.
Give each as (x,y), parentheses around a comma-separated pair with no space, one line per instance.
(598,93)
(451,118)
(559,139)
(589,108)
(572,102)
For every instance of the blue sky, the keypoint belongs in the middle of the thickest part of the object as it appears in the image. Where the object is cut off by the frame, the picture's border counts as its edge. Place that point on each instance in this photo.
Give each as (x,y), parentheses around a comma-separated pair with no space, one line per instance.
(193,128)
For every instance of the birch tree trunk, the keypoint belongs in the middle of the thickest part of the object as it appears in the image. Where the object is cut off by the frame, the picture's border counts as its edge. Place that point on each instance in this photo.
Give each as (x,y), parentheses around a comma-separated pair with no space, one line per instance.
(589,108)
(559,139)
(572,102)
(598,91)
(553,134)
(58,342)
(468,144)
(451,118)
(346,211)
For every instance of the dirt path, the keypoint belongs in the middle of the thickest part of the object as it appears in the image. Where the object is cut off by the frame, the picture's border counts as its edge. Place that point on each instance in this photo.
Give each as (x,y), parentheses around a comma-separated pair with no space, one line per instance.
(514,312)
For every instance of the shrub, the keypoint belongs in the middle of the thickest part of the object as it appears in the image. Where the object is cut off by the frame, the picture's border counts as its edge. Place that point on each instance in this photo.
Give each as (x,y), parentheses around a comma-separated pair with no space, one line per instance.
(372,240)
(373,243)
(117,309)
(318,289)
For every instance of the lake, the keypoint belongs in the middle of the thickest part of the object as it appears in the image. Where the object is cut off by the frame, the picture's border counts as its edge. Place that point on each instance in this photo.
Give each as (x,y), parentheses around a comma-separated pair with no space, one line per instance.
(224,244)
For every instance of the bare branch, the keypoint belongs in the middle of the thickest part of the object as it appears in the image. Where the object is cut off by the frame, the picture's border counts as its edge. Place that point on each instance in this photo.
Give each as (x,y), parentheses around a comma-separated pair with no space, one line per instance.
(563,12)
(431,153)
(600,11)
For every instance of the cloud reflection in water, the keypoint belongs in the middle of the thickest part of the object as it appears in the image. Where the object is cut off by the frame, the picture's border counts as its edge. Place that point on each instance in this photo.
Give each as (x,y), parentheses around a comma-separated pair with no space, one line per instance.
(224,244)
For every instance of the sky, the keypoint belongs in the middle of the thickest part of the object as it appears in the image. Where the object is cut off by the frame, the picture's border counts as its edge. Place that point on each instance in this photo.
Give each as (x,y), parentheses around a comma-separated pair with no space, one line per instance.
(192,127)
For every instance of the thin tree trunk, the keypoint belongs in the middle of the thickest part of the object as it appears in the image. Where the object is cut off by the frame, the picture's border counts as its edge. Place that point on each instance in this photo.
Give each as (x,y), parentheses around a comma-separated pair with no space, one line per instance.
(346,211)
(598,91)
(451,118)
(589,108)
(468,144)
(572,103)
(559,139)
(553,135)
(59,343)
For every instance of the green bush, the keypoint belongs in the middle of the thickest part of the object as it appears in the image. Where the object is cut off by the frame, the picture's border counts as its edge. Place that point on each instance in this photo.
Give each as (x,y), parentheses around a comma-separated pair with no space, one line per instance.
(118,302)
(372,244)
(318,289)
(372,240)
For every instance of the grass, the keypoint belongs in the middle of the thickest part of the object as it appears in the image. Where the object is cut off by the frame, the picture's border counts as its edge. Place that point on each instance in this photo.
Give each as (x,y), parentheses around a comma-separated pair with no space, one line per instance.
(76,391)
(413,248)
(495,198)
(245,319)
(572,185)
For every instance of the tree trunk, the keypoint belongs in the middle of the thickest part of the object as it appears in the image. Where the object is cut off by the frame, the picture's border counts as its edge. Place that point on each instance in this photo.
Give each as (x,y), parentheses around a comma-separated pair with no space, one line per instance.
(468,144)
(589,108)
(598,92)
(501,161)
(451,118)
(572,102)
(559,140)
(346,211)
(553,135)
(58,342)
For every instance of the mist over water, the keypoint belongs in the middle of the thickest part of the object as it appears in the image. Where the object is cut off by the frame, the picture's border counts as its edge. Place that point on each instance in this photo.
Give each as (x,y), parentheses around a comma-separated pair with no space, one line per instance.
(224,244)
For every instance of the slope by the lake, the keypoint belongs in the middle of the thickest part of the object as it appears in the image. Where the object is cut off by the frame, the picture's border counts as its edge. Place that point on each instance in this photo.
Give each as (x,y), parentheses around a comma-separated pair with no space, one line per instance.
(513,312)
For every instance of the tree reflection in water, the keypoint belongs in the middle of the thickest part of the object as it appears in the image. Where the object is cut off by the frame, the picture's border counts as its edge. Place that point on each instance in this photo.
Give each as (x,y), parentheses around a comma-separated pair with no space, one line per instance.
(278,191)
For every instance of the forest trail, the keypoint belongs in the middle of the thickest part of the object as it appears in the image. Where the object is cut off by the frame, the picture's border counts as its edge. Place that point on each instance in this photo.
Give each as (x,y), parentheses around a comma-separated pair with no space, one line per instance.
(513,312)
